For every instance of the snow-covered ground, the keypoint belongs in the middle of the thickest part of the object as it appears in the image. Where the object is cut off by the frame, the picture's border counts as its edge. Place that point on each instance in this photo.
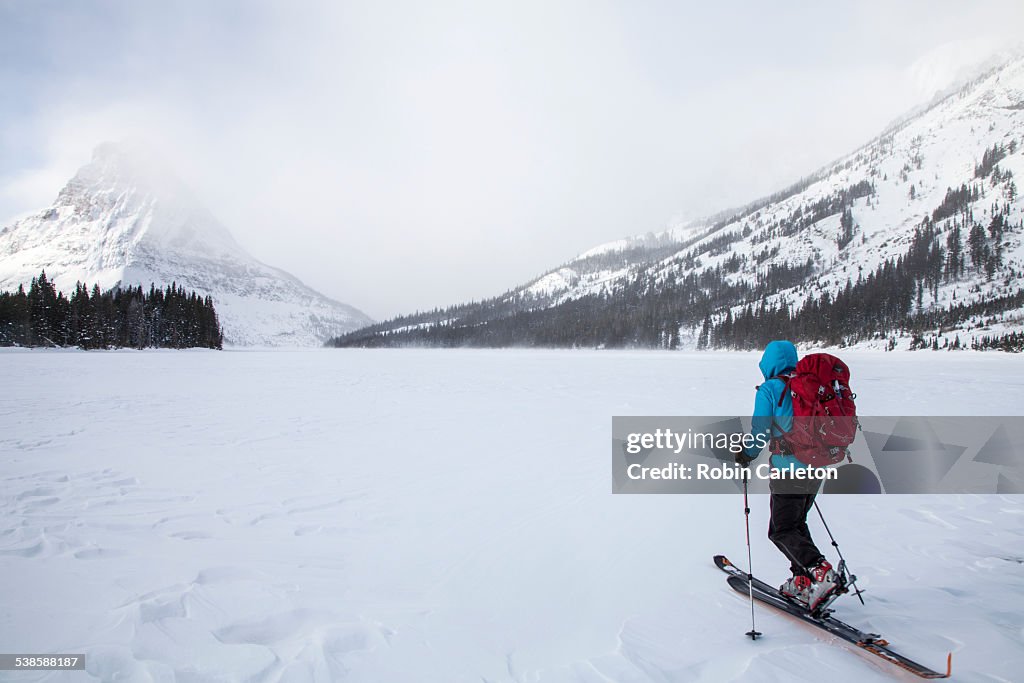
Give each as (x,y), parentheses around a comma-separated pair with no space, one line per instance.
(447,516)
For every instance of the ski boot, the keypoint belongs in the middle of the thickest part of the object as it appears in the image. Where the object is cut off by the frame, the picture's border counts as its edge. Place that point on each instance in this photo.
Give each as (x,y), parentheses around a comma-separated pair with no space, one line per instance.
(796,588)
(826,586)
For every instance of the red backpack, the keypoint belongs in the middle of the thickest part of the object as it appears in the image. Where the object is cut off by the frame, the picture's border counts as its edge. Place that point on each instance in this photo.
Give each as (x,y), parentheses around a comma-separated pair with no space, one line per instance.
(824,412)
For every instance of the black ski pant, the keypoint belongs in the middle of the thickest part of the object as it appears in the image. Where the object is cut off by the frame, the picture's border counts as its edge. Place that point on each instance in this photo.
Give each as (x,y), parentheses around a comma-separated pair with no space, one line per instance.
(787,527)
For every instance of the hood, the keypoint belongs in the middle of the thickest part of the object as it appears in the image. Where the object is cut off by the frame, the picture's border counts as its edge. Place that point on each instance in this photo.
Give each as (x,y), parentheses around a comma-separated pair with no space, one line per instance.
(779,357)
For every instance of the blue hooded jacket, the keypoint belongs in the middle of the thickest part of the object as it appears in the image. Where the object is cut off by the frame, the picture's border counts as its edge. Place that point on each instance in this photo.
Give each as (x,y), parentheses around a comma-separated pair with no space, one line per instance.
(779,358)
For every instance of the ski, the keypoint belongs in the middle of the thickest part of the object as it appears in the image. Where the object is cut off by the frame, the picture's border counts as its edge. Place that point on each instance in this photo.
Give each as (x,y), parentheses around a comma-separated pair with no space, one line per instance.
(871,642)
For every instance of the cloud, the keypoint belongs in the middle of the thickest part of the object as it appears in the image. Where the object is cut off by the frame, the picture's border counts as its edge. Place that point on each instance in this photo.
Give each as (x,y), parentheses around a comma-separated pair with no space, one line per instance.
(956,61)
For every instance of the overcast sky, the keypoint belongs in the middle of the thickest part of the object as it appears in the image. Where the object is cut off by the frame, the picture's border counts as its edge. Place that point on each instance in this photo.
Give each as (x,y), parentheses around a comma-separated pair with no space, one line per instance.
(405,155)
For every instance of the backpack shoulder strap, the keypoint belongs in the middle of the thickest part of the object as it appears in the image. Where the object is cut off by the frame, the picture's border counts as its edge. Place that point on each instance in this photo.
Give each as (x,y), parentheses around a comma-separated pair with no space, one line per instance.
(785,379)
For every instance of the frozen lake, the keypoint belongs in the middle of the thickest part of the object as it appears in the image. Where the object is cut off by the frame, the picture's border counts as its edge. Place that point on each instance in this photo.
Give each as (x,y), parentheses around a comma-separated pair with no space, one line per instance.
(407,515)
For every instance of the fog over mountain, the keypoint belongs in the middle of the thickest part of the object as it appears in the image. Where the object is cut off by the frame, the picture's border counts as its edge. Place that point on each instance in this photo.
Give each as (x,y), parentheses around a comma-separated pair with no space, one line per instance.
(915,238)
(125,219)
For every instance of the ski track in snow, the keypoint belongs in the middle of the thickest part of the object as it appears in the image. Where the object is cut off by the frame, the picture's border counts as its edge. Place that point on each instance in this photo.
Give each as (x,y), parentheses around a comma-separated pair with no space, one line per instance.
(329,515)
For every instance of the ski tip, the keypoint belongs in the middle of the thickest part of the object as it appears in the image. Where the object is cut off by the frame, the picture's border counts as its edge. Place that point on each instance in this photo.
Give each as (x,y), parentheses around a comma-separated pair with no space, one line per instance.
(949,665)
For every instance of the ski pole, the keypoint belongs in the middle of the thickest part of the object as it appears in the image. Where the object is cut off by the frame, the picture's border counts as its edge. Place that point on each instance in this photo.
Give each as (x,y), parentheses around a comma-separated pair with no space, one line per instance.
(853,579)
(753,632)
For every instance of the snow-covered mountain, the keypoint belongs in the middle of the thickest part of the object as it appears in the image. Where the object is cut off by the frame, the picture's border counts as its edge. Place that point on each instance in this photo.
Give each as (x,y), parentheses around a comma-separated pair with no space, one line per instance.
(935,151)
(942,180)
(125,219)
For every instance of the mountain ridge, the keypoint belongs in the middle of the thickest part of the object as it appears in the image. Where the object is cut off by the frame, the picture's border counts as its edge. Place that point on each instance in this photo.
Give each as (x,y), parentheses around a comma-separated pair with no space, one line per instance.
(835,226)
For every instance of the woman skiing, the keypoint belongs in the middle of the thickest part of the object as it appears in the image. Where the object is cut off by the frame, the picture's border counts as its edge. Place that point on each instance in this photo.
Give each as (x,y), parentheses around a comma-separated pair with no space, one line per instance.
(813,579)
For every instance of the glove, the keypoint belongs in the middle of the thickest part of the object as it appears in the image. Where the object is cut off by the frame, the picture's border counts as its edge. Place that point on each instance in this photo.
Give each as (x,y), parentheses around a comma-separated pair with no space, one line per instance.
(742,459)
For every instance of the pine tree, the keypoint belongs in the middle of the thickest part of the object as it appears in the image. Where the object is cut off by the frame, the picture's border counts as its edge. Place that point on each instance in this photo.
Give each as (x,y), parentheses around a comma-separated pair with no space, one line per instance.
(120,317)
